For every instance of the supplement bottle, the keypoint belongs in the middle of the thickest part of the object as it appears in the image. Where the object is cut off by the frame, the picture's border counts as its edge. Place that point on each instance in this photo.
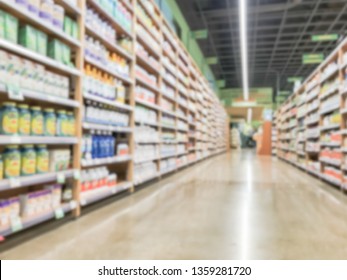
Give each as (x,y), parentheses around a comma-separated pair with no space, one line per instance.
(12,162)
(50,122)
(28,162)
(9,119)
(36,121)
(1,168)
(24,120)
(62,123)
(42,159)
(72,123)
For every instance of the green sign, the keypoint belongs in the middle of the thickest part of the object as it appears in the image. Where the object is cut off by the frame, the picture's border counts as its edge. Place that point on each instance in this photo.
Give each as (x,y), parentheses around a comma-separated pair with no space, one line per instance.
(325,37)
(294,79)
(314,58)
(284,93)
(200,34)
(212,60)
(221,83)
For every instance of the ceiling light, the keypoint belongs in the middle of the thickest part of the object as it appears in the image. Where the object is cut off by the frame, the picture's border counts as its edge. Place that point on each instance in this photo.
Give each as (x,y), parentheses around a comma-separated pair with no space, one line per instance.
(244,48)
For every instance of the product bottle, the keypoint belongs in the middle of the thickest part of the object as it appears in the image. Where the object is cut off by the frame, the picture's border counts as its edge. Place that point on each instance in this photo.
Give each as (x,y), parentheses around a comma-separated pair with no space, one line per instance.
(1,168)
(24,119)
(9,119)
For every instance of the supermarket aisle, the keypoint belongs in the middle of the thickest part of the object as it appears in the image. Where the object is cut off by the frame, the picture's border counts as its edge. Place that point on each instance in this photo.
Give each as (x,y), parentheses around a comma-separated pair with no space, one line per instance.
(231,206)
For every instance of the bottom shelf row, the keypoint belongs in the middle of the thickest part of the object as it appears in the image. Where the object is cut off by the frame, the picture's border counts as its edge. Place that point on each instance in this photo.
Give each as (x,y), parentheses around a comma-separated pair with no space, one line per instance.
(41,203)
(330,174)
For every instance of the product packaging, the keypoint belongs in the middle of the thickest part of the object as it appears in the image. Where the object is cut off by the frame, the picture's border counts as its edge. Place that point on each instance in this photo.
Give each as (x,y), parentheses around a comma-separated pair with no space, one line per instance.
(27,37)
(41,42)
(11,28)
(55,50)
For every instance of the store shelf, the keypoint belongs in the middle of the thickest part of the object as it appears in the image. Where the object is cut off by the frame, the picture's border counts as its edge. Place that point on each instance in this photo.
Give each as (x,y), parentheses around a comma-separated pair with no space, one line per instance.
(329,109)
(168,156)
(21,12)
(182,154)
(105,101)
(69,7)
(34,180)
(325,144)
(117,26)
(8,140)
(331,180)
(120,129)
(148,123)
(143,160)
(329,75)
(96,195)
(329,127)
(147,65)
(331,161)
(42,97)
(154,36)
(44,217)
(106,161)
(145,180)
(148,104)
(111,46)
(49,62)
(206,110)
(147,85)
(108,70)
(169,170)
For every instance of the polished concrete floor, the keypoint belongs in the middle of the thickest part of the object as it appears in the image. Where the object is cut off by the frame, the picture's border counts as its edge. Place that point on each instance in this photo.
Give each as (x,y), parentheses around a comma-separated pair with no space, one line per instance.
(235,206)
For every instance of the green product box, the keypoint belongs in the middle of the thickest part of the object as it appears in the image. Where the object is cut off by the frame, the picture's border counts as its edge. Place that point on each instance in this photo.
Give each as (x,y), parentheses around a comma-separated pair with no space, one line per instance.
(67,25)
(11,28)
(75,30)
(2,24)
(55,50)
(27,37)
(41,42)
(66,54)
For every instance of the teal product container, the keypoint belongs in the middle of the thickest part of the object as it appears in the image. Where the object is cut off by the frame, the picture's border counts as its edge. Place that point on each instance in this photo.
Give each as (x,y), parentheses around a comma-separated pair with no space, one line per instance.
(41,43)
(2,24)
(55,50)
(11,28)
(28,37)
(62,123)
(50,121)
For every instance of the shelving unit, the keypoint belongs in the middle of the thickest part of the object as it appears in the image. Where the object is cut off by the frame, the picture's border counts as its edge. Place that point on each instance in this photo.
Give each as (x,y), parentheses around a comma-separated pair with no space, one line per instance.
(320,105)
(154,73)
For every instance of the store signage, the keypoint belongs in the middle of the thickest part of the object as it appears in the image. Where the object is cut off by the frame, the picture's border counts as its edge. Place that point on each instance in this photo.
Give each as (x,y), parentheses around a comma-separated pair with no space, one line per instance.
(324,38)
(313,58)
(212,60)
(294,79)
(284,92)
(221,83)
(199,34)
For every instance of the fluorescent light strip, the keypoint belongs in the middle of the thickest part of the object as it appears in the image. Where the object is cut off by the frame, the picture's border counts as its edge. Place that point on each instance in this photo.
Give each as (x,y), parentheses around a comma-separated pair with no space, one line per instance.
(249,115)
(244,47)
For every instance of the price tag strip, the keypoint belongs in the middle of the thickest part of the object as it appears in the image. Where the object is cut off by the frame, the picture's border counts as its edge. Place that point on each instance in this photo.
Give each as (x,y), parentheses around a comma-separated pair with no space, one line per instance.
(59,213)
(14,92)
(61,178)
(16,224)
(77,174)
(15,183)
